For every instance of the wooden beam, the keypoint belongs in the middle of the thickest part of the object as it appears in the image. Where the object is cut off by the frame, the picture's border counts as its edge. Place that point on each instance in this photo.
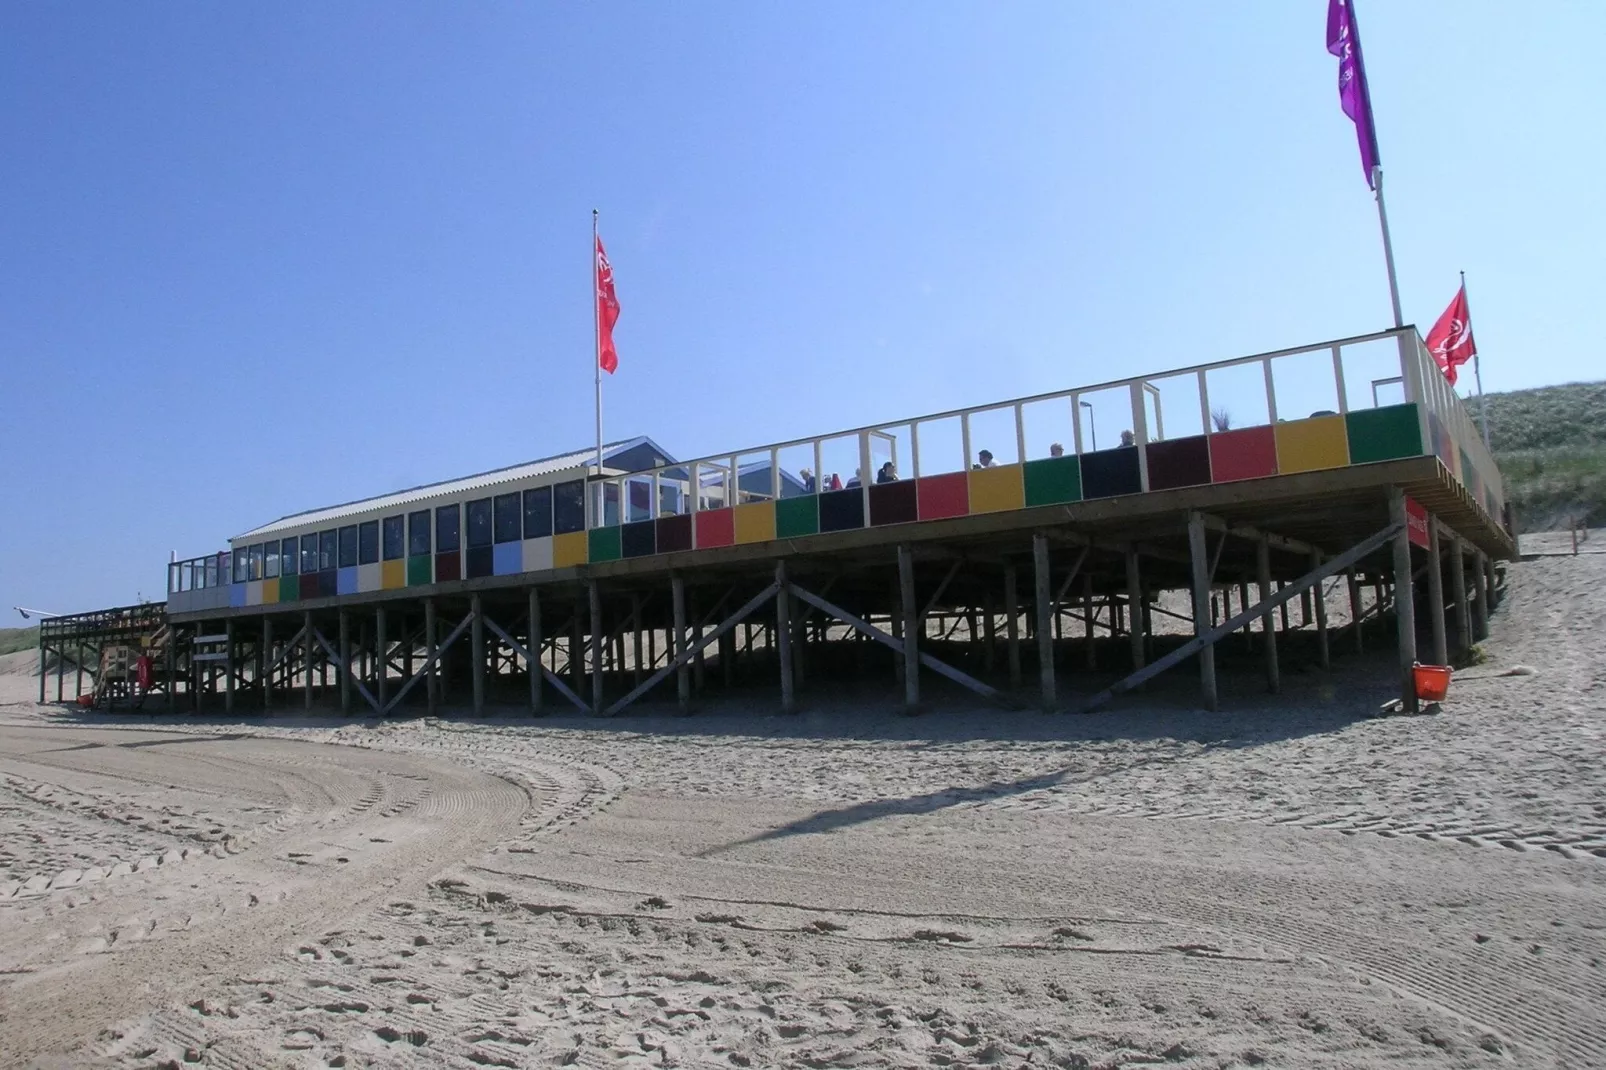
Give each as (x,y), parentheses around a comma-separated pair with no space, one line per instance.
(1045,614)
(431,655)
(476,644)
(344,666)
(426,671)
(1323,652)
(228,667)
(1458,590)
(1134,602)
(1404,602)
(532,654)
(538,669)
(1012,624)
(594,596)
(381,645)
(783,637)
(696,647)
(1480,593)
(677,587)
(1441,640)
(911,630)
(344,634)
(265,663)
(306,660)
(1201,609)
(942,588)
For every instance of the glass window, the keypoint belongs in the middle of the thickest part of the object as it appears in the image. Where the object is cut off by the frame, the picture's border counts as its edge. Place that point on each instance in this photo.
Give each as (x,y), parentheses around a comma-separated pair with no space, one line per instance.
(569,507)
(242,566)
(479,522)
(418,533)
(537,512)
(288,560)
(395,538)
(508,527)
(211,571)
(309,553)
(447,530)
(348,546)
(256,561)
(270,565)
(368,542)
(326,550)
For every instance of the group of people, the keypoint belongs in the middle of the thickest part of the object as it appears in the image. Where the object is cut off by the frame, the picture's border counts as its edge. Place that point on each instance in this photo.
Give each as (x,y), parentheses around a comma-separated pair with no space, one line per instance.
(888,473)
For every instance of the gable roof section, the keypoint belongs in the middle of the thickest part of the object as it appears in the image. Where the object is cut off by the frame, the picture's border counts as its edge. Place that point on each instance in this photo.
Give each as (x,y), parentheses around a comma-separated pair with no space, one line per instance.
(579,460)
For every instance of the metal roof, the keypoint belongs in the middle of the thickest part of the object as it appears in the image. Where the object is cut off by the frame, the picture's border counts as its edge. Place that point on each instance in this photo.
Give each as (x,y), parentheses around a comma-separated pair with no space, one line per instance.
(580,460)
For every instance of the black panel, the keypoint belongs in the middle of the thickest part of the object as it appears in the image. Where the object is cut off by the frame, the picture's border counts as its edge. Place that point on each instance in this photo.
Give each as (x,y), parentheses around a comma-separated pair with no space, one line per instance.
(1107,473)
(674,533)
(639,539)
(480,561)
(1179,462)
(893,503)
(841,510)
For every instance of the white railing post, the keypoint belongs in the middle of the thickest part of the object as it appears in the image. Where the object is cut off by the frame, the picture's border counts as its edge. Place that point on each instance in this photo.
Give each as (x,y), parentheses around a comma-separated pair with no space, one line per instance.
(1338,378)
(775,473)
(1271,392)
(1411,368)
(1020,433)
(914,449)
(964,438)
(1204,404)
(865,478)
(1140,433)
(1076,424)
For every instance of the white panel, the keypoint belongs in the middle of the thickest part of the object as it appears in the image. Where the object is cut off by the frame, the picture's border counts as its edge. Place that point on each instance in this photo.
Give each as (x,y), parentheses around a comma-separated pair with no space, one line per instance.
(253,593)
(369,577)
(538,554)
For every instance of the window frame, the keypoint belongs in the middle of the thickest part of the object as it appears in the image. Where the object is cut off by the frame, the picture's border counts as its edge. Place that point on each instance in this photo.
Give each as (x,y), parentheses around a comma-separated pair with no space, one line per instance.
(479,523)
(347,541)
(507,518)
(290,563)
(368,542)
(420,522)
(564,512)
(400,523)
(455,534)
(270,559)
(309,553)
(240,566)
(254,555)
(328,549)
(541,499)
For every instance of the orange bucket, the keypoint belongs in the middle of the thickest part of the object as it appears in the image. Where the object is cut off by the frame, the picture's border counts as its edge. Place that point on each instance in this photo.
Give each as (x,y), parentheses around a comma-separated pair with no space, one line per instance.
(1432,682)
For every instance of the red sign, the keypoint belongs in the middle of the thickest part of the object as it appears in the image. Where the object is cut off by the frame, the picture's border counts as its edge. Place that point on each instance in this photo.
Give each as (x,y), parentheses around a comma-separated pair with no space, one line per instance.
(1416,522)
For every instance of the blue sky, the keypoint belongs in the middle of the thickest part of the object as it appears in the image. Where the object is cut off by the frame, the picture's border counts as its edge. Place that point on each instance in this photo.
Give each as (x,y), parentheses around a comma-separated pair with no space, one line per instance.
(261,258)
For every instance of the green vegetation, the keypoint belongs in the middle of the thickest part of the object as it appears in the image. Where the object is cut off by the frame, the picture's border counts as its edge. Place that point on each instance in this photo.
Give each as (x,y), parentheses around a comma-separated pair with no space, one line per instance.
(1551,447)
(15,639)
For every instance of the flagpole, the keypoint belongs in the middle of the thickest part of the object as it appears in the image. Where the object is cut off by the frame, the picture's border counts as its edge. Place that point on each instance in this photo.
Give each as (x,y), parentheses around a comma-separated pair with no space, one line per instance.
(596,340)
(1477,372)
(1388,245)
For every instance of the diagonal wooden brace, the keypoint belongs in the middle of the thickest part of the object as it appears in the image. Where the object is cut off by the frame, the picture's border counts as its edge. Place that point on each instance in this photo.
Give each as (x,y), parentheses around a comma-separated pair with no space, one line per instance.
(429,663)
(550,676)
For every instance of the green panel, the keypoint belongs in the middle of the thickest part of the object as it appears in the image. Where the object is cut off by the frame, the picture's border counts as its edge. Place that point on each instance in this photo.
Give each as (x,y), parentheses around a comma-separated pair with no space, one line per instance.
(289,588)
(603,544)
(420,570)
(1052,480)
(797,516)
(1384,434)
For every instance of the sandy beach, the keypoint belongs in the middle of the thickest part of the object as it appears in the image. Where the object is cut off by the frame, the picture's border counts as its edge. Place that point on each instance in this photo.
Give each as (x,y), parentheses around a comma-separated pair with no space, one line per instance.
(1293,882)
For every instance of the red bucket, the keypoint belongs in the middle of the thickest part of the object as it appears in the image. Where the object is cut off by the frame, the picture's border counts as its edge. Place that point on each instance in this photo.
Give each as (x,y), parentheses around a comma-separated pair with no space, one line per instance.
(1432,682)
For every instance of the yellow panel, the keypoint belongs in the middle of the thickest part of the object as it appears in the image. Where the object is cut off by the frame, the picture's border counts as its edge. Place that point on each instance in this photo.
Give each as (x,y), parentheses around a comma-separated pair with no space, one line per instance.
(570,549)
(755,522)
(1309,445)
(993,490)
(270,592)
(393,575)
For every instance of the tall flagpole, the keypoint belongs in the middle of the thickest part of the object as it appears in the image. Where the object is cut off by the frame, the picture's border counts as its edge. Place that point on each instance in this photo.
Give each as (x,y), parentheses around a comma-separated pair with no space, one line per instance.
(596,335)
(1477,371)
(1388,245)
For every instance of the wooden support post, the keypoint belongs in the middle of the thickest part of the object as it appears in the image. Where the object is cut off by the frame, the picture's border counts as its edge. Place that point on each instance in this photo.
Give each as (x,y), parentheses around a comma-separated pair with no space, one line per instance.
(476,644)
(895,619)
(61,668)
(431,656)
(1268,622)
(306,661)
(1012,624)
(78,678)
(228,665)
(533,660)
(1305,616)
(344,639)
(1488,584)
(1134,602)
(594,596)
(1404,602)
(577,660)
(911,633)
(783,637)
(677,590)
(1243,601)
(1045,627)
(989,628)
(171,658)
(42,650)
(1089,645)
(1458,591)
(382,660)
(1441,640)
(635,614)
(1355,609)
(1282,610)
(1319,601)
(1480,603)
(727,658)
(1201,608)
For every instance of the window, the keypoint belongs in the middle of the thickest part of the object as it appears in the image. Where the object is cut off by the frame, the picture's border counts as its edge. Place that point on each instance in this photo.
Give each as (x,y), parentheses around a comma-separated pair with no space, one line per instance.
(507,518)
(348,546)
(395,538)
(418,533)
(288,559)
(537,512)
(569,507)
(368,542)
(479,522)
(256,561)
(211,569)
(447,531)
(309,554)
(270,566)
(242,566)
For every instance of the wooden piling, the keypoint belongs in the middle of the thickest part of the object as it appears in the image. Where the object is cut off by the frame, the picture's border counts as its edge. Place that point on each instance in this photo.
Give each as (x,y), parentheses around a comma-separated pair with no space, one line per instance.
(1012,624)
(1268,621)
(1458,591)
(594,596)
(431,683)
(1134,598)
(476,641)
(1045,629)
(1199,559)
(1441,640)
(677,589)
(1324,654)
(783,637)
(911,644)
(344,641)
(1404,603)
(533,662)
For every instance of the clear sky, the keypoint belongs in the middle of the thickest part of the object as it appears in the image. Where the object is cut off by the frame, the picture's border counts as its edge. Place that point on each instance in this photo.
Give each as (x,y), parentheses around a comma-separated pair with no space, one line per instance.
(261,258)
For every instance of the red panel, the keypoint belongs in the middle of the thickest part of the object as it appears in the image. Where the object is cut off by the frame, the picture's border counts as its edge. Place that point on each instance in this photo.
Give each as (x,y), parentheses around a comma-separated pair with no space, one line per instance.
(1249,453)
(716,527)
(942,496)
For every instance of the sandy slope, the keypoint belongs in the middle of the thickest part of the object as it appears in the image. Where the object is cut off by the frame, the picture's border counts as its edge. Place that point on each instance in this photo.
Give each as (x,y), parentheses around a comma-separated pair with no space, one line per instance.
(1292,883)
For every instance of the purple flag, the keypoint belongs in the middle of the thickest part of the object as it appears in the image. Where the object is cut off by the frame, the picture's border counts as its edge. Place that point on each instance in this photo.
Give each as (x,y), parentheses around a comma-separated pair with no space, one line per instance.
(1344,41)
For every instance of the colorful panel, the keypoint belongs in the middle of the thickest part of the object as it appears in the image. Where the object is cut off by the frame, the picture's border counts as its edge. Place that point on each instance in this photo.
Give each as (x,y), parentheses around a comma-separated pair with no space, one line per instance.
(270,592)
(236,594)
(346,580)
(755,522)
(995,489)
(893,503)
(715,527)
(604,544)
(448,566)
(289,588)
(1384,434)
(842,510)
(370,578)
(420,570)
(328,583)
(393,575)
(639,539)
(1179,462)
(253,593)
(1312,445)
(795,517)
(310,587)
(943,496)
(481,561)
(507,559)
(674,533)
(537,554)
(1469,475)
(1053,480)
(1247,453)
(1108,473)
(569,549)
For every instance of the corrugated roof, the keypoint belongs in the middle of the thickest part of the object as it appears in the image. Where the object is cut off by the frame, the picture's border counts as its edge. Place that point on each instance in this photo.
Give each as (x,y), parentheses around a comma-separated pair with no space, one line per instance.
(576,459)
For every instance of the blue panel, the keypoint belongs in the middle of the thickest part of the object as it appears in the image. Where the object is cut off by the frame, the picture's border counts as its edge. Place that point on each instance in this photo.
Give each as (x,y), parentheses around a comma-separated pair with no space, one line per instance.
(236,594)
(509,558)
(346,580)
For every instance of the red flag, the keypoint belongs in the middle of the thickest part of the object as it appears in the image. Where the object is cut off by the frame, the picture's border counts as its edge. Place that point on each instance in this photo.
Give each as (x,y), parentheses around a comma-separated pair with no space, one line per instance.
(1450,340)
(607,313)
